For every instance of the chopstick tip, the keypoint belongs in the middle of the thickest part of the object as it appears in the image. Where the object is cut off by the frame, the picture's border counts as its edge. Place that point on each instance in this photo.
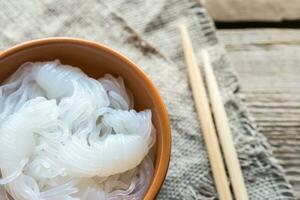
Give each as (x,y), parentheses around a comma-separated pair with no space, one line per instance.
(204,53)
(180,24)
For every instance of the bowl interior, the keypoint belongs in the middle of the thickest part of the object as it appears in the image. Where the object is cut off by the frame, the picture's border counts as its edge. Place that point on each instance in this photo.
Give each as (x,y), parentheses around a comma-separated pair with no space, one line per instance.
(97,60)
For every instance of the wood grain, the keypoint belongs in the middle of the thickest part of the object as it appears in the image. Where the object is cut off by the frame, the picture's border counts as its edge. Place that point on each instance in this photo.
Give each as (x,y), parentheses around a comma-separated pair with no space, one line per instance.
(253,10)
(267,62)
(224,131)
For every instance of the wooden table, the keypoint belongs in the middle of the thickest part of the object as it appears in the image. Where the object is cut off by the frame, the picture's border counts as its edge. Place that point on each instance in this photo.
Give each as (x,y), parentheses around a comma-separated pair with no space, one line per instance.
(267,62)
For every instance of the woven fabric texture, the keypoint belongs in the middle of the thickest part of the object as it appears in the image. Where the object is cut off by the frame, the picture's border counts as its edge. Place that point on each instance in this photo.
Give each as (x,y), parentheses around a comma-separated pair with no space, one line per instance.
(146,32)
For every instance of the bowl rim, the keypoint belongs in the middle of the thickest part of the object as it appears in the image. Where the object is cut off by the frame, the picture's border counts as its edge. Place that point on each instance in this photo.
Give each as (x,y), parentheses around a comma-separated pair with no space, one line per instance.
(163,161)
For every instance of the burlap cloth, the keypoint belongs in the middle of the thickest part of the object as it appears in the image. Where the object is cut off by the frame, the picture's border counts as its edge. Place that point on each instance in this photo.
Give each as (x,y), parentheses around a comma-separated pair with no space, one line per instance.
(146,32)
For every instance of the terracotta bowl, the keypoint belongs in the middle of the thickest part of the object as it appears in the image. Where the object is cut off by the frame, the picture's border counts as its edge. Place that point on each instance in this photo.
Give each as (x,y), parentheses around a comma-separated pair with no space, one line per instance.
(96,60)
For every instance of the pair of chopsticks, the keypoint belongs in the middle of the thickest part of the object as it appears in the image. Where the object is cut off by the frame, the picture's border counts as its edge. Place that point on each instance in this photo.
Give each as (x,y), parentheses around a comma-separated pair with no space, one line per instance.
(206,120)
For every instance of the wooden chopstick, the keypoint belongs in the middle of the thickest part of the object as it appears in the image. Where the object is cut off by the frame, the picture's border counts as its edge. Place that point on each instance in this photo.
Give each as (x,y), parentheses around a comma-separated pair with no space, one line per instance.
(205,117)
(224,132)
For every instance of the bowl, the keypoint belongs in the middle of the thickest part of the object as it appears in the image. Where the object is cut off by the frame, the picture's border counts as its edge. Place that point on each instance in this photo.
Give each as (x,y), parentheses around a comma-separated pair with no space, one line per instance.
(96,60)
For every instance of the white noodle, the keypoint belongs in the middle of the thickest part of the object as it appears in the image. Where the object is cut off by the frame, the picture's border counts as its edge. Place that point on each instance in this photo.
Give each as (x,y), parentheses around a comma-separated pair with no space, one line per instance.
(65,136)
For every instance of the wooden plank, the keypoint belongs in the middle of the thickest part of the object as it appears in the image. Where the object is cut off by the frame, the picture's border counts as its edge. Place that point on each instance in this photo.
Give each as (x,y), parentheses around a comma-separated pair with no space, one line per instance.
(253,10)
(267,62)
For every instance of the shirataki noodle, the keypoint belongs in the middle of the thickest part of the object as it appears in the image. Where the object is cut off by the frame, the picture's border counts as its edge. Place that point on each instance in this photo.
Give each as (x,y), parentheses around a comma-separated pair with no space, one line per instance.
(66,136)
